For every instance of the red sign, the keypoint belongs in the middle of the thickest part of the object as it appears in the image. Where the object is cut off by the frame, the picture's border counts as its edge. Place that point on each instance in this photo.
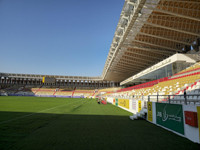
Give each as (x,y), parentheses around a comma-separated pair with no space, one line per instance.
(191,118)
(103,102)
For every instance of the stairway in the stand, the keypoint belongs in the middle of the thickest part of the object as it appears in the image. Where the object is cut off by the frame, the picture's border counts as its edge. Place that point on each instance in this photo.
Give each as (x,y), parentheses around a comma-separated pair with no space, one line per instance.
(38,89)
(56,90)
(20,89)
(94,93)
(73,92)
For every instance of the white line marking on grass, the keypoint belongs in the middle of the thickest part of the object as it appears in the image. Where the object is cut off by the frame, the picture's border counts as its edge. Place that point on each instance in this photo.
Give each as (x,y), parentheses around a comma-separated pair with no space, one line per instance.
(83,103)
(36,113)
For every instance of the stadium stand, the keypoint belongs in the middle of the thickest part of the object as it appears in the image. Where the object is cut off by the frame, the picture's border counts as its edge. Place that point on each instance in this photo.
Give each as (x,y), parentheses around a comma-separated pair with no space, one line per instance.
(175,85)
(45,92)
(195,67)
(110,89)
(64,93)
(83,93)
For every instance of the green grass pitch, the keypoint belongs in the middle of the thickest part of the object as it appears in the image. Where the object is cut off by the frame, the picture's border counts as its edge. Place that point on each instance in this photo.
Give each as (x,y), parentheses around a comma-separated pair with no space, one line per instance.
(34,123)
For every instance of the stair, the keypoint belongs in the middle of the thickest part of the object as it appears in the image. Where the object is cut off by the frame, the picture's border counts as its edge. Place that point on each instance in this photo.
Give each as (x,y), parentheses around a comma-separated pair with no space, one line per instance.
(73,92)
(93,93)
(20,89)
(138,114)
(56,91)
(38,89)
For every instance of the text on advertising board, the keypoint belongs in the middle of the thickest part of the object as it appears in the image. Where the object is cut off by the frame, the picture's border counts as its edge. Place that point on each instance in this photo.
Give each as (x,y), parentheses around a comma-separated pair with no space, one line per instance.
(170,116)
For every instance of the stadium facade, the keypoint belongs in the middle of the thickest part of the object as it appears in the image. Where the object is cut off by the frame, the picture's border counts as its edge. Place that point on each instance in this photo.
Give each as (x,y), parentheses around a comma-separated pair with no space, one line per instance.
(68,81)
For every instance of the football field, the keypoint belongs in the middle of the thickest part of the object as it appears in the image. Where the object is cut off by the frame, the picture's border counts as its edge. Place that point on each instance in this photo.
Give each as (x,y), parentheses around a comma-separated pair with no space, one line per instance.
(36,123)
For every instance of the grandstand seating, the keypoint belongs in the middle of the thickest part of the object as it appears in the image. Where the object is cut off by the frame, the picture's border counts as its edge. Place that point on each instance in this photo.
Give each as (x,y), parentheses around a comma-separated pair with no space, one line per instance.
(12,89)
(194,67)
(18,90)
(64,93)
(107,91)
(45,92)
(114,89)
(85,93)
(186,80)
(56,91)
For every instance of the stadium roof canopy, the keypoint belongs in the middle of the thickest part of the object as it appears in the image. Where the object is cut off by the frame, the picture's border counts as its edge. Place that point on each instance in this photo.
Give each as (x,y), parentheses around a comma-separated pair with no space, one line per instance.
(148,32)
(36,76)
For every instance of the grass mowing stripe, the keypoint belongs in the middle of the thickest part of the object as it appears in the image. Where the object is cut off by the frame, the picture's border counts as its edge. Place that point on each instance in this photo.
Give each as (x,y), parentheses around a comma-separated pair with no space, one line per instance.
(80,125)
(37,112)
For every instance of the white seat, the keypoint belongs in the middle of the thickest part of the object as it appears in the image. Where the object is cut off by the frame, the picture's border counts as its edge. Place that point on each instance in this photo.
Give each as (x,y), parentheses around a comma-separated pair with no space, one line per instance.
(194,98)
(196,91)
(192,92)
(190,97)
(194,87)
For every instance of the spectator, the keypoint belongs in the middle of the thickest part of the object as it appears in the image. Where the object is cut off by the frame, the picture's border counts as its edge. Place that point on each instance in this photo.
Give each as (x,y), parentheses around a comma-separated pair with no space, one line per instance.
(185,93)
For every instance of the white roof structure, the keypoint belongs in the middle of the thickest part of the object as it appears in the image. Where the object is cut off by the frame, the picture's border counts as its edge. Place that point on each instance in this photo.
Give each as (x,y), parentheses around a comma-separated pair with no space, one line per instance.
(36,76)
(148,32)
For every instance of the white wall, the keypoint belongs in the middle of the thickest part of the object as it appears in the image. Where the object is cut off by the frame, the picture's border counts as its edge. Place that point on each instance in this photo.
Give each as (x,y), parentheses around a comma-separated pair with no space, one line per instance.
(125,108)
(133,106)
(131,101)
(154,112)
(110,100)
(192,133)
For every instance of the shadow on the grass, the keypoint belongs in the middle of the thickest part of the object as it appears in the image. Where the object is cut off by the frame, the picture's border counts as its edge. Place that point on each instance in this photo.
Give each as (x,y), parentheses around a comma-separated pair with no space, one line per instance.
(54,131)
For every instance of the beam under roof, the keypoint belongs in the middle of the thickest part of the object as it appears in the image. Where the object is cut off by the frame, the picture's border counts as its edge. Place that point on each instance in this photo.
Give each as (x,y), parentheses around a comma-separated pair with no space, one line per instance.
(173,29)
(156,45)
(160,51)
(176,14)
(163,38)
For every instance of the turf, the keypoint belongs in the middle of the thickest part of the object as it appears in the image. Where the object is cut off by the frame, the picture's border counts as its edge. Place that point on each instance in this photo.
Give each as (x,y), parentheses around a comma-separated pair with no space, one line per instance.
(32,123)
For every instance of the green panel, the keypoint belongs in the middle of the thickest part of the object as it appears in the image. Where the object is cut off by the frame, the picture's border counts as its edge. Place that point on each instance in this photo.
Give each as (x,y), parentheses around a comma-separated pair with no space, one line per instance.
(170,116)
(116,101)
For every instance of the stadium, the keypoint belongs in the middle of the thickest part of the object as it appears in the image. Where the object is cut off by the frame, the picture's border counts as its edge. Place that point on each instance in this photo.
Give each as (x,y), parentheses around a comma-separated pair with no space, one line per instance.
(148,96)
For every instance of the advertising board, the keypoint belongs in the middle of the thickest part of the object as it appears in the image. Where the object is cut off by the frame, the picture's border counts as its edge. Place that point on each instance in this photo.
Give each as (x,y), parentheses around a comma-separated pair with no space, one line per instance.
(198,117)
(139,105)
(124,103)
(170,116)
(116,101)
(149,112)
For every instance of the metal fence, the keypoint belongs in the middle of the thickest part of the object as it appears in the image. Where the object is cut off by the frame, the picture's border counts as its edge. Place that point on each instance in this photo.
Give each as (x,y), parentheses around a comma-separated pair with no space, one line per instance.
(186,99)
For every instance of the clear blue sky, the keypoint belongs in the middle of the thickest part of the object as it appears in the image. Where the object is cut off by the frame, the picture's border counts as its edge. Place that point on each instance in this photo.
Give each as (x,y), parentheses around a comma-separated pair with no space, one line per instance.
(57,37)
